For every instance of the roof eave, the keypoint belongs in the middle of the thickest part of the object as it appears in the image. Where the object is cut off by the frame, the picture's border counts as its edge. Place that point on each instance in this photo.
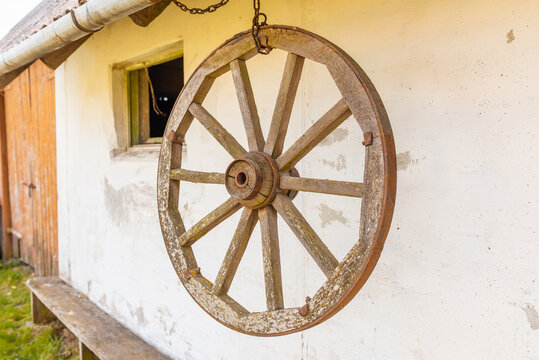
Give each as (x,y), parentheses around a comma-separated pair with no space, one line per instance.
(66,31)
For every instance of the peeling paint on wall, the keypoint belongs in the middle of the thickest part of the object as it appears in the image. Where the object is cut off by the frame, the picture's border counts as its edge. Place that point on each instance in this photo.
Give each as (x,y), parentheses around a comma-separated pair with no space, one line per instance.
(121,203)
(532,315)
(165,318)
(329,215)
(338,164)
(103,301)
(510,36)
(138,314)
(404,161)
(336,136)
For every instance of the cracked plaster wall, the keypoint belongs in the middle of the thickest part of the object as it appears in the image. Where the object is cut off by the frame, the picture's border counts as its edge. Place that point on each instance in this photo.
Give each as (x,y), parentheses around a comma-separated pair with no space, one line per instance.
(458,276)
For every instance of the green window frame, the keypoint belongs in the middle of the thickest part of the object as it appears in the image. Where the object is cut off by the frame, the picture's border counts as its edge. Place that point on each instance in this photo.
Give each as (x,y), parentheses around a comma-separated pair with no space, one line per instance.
(138,95)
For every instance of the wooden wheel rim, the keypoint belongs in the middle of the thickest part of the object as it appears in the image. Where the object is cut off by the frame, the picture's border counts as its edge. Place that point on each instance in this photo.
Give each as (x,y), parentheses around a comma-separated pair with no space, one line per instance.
(378,190)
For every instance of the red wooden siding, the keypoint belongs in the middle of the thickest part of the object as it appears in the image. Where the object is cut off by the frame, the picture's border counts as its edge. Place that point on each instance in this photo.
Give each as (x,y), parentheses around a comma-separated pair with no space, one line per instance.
(31,148)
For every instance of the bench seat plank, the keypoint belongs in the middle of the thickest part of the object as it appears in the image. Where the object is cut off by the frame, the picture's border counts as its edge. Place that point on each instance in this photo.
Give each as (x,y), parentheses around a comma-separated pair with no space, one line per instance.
(104,336)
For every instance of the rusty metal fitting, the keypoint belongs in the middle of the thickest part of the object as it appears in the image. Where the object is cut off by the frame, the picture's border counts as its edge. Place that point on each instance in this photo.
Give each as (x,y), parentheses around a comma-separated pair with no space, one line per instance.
(304,310)
(367,138)
(190,272)
(186,274)
(174,138)
(293,193)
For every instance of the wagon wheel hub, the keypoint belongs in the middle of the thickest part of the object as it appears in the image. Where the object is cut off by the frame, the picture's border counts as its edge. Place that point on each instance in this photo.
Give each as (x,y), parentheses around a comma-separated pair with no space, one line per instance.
(253,180)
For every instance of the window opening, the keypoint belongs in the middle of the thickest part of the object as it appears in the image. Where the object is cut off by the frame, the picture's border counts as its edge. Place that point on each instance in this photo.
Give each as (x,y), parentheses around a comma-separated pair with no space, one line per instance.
(149,114)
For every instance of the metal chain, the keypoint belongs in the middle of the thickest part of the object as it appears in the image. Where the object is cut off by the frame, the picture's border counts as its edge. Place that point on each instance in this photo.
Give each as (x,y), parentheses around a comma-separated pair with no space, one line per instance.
(255,30)
(199,11)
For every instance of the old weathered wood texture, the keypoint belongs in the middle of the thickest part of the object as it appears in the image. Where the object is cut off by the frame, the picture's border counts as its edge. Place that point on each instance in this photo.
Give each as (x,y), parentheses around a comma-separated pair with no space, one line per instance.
(146,16)
(306,234)
(285,102)
(197,176)
(247,104)
(217,216)
(272,258)
(85,353)
(10,76)
(143,106)
(231,145)
(344,188)
(7,249)
(314,135)
(31,151)
(56,58)
(272,176)
(235,251)
(40,313)
(100,333)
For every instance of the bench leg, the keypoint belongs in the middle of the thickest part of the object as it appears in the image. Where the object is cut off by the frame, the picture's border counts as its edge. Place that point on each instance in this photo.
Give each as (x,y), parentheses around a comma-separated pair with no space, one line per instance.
(85,353)
(40,313)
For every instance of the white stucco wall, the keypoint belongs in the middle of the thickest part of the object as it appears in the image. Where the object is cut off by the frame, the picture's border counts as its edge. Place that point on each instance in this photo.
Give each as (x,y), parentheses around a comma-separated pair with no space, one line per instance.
(458,277)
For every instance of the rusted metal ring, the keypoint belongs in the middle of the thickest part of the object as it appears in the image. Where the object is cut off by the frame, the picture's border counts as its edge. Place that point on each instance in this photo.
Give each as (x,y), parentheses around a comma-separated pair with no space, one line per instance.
(293,193)
(80,27)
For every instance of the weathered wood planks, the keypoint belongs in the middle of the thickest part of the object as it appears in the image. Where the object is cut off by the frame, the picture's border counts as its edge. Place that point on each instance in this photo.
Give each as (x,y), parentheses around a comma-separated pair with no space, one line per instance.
(235,252)
(247,104)
(98,332)
(197,176)
(210,221)
(306,235)
(323,186)
(283,106)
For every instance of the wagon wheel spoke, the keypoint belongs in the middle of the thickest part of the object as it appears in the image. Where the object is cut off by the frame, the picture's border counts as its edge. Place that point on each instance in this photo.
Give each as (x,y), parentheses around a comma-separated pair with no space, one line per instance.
(323,186)
(306,235)
(235,251)
(210,221)
(283,107)
(227,141)
(197,176)
(272,258)
(247,104)
(314,135)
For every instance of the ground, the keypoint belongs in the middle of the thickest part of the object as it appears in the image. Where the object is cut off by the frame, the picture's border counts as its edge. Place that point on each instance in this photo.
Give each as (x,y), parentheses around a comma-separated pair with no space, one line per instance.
(20,339)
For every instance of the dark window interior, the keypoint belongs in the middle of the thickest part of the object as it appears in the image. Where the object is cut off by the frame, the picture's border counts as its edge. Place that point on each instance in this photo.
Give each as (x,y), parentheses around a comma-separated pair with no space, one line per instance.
(167,81)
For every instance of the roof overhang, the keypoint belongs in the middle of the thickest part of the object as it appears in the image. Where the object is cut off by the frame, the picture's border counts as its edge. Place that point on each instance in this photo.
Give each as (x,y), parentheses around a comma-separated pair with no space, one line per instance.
(61,37)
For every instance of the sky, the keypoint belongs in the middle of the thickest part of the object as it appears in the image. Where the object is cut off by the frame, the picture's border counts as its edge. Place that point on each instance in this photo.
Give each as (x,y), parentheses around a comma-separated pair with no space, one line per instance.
(13,11)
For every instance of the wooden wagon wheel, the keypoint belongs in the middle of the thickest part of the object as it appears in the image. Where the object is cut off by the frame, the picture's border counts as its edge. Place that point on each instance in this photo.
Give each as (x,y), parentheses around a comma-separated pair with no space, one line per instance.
(261,180)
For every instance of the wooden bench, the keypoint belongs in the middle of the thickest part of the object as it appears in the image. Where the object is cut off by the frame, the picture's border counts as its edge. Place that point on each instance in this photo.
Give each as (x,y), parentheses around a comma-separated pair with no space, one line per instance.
(100,336)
